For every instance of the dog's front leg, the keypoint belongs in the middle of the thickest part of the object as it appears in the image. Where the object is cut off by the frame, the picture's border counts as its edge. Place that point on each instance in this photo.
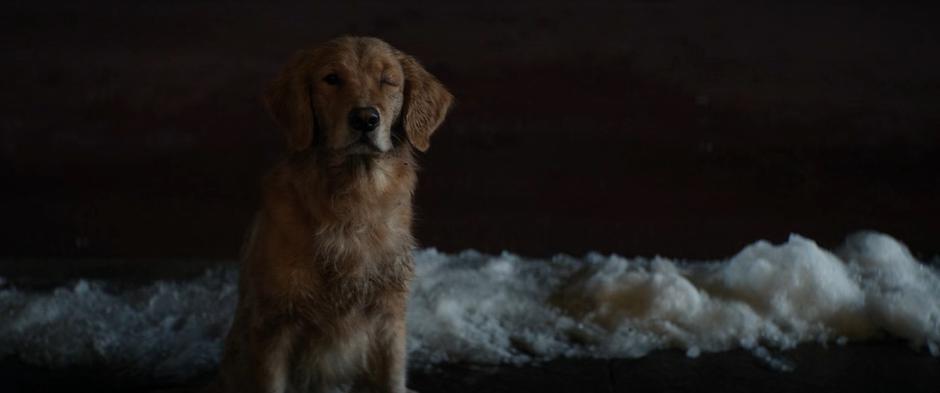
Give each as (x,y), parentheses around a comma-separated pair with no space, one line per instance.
(387,358)
(269,360)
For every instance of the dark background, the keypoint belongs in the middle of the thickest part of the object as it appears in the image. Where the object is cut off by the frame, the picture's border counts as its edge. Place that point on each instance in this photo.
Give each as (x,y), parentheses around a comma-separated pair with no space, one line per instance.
(132,142)
(680,128)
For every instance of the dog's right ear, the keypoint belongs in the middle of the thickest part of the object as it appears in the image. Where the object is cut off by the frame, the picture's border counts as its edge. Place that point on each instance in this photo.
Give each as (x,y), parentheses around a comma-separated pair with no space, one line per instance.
(288,101)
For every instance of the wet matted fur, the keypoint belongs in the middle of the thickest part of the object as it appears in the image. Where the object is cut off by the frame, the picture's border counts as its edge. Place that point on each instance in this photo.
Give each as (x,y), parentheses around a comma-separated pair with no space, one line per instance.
(324,279)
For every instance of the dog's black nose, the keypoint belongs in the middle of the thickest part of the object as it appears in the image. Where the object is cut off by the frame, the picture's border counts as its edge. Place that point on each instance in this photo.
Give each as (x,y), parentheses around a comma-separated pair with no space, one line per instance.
(363,119)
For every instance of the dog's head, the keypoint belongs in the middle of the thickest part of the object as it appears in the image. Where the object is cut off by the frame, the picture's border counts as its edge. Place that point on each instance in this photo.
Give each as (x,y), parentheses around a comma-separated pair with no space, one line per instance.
(349,95)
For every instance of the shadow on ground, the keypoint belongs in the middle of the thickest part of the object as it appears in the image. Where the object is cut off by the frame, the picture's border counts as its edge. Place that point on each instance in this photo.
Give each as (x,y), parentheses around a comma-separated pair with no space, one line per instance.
(860,367)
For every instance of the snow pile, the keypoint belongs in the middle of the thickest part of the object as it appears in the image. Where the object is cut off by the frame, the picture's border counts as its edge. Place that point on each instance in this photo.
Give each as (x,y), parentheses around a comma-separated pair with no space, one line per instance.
(482,308)
(164,330)
(505,309)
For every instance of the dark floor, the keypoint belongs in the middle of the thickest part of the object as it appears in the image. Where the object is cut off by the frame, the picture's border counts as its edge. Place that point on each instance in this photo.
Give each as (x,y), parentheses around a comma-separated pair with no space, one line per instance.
(865,367)
(854,368)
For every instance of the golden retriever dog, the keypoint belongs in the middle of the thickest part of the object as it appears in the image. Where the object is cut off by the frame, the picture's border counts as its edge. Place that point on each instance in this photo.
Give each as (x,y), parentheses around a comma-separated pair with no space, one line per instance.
(325,273)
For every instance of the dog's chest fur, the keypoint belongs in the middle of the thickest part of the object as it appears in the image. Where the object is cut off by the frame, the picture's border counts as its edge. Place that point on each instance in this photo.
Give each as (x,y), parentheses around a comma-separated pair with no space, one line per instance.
(351,240)
(360,263)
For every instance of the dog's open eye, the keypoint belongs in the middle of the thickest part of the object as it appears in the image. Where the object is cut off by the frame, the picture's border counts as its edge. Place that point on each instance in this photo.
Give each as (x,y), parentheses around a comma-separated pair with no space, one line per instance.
(331,79)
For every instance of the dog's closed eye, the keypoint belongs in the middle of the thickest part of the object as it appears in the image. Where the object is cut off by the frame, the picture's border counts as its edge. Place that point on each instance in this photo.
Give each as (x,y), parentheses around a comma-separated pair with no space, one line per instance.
(332,79)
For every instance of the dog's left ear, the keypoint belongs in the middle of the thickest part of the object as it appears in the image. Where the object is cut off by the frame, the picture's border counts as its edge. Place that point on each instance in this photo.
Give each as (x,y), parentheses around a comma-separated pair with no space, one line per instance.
(425,104)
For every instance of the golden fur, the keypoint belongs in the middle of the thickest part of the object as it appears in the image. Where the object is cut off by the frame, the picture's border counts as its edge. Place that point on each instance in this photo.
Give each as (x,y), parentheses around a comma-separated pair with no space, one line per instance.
(325,273)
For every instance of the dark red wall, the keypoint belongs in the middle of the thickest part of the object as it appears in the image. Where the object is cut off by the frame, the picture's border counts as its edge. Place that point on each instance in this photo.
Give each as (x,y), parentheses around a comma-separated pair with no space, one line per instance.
(134,128)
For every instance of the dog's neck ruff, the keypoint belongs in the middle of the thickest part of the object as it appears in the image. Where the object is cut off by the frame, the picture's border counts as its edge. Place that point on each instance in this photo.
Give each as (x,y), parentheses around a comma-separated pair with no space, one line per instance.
(355,188)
